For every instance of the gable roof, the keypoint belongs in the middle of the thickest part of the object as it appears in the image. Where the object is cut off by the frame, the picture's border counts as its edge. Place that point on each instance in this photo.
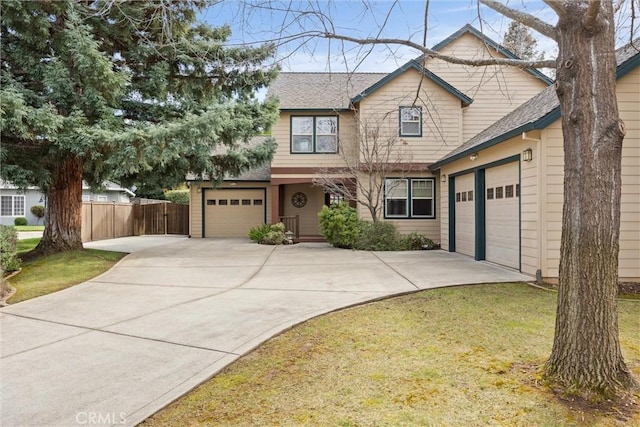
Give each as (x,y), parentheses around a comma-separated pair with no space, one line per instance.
(413,64)
(320,91)
(537,113)
(470,29)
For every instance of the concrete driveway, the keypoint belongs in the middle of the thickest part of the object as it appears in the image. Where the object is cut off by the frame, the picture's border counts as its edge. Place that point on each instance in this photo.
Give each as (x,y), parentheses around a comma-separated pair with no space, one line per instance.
(116,349)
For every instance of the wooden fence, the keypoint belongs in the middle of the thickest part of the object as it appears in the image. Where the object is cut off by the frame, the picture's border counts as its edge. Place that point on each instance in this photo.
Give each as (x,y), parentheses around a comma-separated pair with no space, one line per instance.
(104,220)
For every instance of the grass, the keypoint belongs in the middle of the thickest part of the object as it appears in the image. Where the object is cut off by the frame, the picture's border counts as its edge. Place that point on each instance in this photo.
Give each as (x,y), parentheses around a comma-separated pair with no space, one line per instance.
(29,227)
(43,275)
(447,357)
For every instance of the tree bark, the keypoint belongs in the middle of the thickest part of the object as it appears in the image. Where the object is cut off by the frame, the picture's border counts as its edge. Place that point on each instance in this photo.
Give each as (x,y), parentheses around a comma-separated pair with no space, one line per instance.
(586,359)
(63,222)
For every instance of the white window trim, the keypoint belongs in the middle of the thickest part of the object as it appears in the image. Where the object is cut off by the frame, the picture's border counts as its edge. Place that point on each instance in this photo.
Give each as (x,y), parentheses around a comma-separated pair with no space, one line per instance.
(314,135)
(13,205)
(409,199)
(419,121)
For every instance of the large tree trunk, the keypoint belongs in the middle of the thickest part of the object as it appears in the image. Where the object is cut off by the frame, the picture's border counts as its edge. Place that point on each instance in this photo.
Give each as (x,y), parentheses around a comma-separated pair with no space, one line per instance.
(63,222)
(586,359)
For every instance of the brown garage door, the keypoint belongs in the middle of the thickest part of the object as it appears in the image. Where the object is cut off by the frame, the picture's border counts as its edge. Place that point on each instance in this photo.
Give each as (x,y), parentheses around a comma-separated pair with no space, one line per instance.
(231,213)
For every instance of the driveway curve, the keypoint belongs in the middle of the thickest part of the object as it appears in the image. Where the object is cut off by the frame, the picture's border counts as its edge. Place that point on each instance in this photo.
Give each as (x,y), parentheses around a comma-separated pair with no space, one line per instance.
(116,349)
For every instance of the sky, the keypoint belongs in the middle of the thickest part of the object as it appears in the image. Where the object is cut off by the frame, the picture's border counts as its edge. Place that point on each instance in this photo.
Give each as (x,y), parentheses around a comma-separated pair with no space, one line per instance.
(283,22)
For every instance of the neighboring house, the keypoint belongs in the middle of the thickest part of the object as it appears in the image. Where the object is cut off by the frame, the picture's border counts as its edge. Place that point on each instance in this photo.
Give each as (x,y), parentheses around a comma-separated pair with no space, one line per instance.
(425,108)
(17,202)
(482,170)
(502,190)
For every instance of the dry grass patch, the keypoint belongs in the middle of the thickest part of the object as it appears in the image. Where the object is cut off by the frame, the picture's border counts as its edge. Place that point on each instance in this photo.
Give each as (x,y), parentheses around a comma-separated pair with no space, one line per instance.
(446,357)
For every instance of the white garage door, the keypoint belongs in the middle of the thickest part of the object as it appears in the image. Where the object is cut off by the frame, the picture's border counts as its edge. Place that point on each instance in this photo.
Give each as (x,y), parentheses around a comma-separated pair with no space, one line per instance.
(231,213)
(502,214)
(465,215)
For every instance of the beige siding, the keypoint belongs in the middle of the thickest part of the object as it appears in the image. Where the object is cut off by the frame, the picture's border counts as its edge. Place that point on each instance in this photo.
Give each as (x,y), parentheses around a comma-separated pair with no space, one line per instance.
(309,222)
(495,90)
(281,131)
(441,116)
(628,89)
(195,206)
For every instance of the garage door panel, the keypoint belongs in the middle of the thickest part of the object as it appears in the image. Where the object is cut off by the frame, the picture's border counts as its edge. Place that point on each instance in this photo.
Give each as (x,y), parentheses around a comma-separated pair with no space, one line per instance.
(465,214)
(232,213)
(502,207)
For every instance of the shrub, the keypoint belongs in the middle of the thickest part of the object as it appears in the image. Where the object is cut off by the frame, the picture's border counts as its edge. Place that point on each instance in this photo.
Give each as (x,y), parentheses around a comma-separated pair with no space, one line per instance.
(180,197)
(20,221)
(340,225)
(415,241)
(258,232)
(38,211)
(9,260)
(269,234)
(379,236)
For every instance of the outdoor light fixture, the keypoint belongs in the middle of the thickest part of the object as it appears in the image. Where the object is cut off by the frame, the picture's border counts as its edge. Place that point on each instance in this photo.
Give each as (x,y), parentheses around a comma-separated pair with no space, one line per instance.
(443,178)
(473,157)
(527,155)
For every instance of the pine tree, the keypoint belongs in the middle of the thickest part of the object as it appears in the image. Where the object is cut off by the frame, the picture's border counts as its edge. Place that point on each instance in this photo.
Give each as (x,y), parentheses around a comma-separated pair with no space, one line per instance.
(518,40)
(127,91)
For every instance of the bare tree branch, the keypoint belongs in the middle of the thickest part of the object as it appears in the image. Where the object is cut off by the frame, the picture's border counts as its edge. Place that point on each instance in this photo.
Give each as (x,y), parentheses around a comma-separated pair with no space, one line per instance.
(525,18)
(434,54)
(591,14)
(555,6)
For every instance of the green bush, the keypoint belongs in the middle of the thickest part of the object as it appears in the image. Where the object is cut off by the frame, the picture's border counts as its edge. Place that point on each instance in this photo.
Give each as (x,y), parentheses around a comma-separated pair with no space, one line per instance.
(20,221)
(38,212)
(269,234)
(340,225)
(416,241)
(180,197)
(379,236)
(9,260)
(258,232)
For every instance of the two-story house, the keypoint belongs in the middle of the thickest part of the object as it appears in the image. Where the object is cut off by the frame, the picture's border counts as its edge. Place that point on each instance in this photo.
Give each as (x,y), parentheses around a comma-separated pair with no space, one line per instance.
(477,155)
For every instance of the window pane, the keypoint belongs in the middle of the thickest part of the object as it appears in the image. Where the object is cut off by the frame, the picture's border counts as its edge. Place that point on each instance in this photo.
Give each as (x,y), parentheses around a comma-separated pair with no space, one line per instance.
(326,125)
(302,125)
(489,193)
(410,128)
(6,208)
(302,144)
(422,207)
(327,144)
(470,193)
(410,114)
(18,205)
(396,188)
(498,192)
(397,207)
(508,191)
(422,188)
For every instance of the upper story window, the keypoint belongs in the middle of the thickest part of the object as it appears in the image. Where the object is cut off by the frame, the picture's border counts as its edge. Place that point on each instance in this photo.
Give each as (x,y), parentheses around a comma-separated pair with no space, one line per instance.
(410,121)
(409,198)
(12,205)
(314,134)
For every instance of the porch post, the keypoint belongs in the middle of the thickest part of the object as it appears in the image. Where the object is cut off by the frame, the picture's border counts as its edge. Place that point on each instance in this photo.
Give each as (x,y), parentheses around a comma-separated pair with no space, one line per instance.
(275,203)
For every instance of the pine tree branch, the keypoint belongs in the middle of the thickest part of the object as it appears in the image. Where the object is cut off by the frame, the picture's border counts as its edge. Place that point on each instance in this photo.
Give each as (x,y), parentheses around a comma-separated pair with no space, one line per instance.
(525,18)
(451,59)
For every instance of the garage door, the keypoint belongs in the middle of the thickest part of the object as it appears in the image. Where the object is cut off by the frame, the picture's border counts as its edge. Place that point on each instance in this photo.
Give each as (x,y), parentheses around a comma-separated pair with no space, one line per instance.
(502,213)
(465,215)
(231,213)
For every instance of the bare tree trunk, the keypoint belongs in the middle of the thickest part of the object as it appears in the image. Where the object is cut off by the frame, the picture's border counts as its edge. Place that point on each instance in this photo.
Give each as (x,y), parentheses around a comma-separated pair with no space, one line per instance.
(63,222)
(586,358)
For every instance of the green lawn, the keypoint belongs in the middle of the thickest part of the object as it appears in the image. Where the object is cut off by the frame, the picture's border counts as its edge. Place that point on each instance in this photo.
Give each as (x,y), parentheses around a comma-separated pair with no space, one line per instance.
(463,356)
(29,227)
(55,272)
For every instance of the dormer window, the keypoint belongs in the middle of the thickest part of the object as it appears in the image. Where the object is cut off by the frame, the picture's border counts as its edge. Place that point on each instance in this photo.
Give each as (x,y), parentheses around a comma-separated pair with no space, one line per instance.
(411,121)
(314,134)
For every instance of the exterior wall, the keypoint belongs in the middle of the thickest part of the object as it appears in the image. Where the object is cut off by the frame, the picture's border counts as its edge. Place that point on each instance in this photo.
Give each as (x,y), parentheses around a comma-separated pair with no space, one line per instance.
(195,202)
(111,196)
(495,90)
(441,116)
(281,131)
(529,208)
(628,88)
(32,197)
(309,222)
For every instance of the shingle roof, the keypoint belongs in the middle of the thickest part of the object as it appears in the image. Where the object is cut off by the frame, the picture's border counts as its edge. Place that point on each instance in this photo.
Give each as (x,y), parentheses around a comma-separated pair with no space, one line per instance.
(320,91)
(537,113)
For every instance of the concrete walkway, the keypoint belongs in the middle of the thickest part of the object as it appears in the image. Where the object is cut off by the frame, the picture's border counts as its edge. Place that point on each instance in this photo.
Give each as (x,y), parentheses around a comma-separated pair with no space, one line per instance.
(116,349)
